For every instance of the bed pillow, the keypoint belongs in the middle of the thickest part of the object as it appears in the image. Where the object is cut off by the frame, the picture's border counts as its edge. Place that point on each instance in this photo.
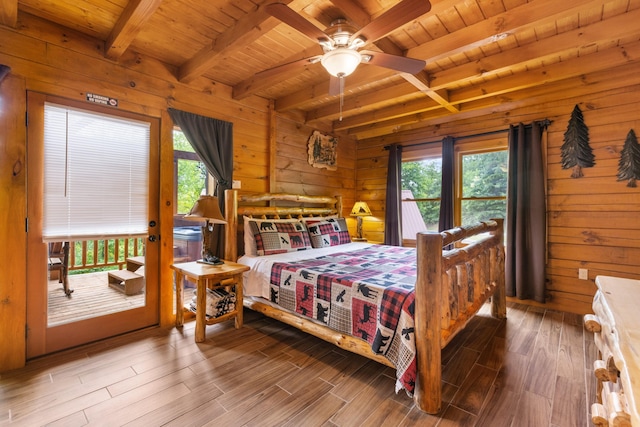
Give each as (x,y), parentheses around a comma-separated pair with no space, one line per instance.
(278,236)
(249,238)
(328,232)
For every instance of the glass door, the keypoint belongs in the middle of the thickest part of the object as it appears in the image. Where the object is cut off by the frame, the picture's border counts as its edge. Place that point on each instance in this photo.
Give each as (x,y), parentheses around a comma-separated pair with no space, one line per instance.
(92,210)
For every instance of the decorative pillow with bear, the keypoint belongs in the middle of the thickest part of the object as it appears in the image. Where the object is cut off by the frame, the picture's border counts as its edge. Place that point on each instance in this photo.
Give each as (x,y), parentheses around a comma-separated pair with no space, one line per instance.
(329,232)
(276,237)
(249,238)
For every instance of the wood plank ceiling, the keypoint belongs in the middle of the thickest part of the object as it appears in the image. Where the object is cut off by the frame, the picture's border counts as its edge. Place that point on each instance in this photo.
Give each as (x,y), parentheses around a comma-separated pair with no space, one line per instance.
(480,54)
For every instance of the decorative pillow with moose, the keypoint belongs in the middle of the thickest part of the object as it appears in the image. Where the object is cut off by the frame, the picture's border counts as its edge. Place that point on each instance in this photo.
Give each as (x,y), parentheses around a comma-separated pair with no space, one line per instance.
(330,232)
(274,237)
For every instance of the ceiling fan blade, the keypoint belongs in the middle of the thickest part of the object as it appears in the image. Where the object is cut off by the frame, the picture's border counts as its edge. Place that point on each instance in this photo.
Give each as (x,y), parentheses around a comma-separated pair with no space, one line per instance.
(288,67)
(400,14)
(394,62)
(290,17)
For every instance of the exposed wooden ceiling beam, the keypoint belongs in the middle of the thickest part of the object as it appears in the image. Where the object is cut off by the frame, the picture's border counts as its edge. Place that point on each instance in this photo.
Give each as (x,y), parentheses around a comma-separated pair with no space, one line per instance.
(599,81)
(600,32)
(131,21)
(503,89)
(521,18)
(9,13)
(360,101)
(247,30)
(497,63)
(321,90)
(296,64)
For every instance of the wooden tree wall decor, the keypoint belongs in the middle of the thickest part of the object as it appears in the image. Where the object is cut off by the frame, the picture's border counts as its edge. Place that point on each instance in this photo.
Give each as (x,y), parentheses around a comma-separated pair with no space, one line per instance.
(576,152)
(629,164)
(323,151)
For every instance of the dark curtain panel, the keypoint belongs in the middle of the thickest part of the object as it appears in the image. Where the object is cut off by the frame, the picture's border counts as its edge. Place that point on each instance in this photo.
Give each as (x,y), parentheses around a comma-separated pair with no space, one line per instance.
(526,214)
(212,140)
(393,206)
(446,189)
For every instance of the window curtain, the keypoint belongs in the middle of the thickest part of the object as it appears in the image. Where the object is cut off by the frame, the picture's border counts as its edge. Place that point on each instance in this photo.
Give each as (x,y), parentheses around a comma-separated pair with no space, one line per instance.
(526,214)
(393,206)
(212,140)
(446,189)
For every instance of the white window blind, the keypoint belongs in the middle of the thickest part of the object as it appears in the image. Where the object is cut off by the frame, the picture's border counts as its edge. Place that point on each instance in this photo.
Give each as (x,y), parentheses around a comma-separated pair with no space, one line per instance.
(95,175)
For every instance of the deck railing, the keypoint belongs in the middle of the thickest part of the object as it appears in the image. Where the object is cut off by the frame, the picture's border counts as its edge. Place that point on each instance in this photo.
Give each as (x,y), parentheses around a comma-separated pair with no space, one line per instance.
(98,254)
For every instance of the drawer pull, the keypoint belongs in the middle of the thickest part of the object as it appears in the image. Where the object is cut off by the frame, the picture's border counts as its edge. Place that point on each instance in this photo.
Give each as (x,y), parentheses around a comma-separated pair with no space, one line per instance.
(599,415)
(592,323)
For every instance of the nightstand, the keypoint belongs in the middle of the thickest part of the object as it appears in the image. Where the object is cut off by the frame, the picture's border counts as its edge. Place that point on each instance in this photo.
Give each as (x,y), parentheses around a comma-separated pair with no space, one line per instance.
(227,276)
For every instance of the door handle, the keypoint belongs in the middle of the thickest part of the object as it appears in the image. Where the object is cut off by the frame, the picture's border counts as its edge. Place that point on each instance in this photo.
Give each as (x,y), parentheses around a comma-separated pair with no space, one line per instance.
(153,238)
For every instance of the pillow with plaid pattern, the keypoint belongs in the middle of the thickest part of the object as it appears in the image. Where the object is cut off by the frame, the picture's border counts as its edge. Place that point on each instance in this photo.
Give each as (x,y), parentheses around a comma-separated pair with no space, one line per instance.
(279,237)
(249,238)
(329,232)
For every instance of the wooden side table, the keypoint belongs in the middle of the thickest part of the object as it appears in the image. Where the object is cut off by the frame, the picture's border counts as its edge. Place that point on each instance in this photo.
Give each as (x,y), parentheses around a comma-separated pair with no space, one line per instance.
(206,276)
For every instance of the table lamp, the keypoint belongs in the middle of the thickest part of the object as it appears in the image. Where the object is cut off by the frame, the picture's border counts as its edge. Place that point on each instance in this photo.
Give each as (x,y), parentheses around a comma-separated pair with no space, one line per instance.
(359,210)
(207,208)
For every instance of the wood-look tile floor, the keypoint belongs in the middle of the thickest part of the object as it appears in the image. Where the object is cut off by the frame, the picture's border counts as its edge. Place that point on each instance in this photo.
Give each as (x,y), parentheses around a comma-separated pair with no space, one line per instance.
(532,369)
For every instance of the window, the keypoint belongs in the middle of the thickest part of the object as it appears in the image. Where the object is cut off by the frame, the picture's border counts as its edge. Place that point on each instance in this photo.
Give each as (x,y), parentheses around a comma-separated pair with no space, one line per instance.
(190,174)
(421,182)
(85,195)
(480,185)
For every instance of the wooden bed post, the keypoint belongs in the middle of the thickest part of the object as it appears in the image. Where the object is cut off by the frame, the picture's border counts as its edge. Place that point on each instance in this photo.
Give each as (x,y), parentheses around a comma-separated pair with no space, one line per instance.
(428,292)
(499,298)
(231,229)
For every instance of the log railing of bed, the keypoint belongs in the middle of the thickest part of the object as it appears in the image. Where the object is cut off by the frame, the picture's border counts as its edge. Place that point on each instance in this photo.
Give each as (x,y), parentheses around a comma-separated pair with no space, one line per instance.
(455,283)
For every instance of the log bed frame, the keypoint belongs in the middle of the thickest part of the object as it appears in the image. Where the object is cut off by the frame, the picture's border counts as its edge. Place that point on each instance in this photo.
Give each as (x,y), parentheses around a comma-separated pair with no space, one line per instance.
(462,280)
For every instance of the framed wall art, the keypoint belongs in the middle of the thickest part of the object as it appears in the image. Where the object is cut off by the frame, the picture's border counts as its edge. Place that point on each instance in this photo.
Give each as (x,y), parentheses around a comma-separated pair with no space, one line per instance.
(323,151)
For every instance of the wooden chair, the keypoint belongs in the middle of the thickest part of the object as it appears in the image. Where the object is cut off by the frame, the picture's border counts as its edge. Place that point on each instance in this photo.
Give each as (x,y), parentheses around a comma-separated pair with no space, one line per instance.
(59,262)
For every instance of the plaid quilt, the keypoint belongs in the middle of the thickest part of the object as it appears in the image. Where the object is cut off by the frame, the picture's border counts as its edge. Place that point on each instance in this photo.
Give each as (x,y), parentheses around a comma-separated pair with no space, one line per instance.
(367,293)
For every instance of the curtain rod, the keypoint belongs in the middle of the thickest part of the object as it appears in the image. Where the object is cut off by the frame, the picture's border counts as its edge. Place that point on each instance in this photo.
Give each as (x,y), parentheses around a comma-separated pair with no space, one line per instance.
(545,123)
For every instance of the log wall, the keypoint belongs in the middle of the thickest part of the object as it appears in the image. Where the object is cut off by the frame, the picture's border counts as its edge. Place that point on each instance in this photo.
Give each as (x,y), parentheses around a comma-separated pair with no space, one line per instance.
(293,173)
(593,221)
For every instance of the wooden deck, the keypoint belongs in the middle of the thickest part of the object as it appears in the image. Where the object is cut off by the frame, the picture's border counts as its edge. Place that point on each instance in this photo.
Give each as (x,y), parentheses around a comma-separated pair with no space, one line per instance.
(532,369)
(92,297)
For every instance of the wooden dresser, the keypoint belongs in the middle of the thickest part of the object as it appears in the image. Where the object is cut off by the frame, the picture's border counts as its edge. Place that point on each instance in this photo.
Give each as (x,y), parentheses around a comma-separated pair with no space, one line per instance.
(616,327)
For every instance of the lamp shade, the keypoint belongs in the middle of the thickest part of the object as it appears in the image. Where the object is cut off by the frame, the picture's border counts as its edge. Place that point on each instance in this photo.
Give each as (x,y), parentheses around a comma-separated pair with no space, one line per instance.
(360,209)
(206,207)
(341,62)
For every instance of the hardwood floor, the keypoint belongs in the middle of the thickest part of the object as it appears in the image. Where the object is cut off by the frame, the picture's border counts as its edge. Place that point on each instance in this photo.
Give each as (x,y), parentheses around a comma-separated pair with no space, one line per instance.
(533,369)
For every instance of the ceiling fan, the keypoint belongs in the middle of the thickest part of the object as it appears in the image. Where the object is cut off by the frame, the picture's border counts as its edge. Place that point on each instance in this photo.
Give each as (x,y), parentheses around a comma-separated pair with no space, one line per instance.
(341,41)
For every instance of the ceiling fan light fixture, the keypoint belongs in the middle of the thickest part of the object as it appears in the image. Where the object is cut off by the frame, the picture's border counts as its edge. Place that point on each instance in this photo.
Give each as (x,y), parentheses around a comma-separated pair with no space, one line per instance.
(341,62)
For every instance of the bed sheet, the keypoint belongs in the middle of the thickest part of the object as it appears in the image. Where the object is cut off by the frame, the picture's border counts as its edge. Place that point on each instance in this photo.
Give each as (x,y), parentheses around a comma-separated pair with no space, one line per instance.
(361,290)
(256,280)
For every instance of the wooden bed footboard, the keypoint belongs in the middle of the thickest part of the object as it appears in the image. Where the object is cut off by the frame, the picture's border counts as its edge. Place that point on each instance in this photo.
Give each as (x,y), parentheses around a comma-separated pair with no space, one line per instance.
(460,281)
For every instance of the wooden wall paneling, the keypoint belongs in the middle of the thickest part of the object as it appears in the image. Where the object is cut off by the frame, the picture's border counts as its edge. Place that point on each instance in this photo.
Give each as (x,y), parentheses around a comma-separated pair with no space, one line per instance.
(13,181)
(295,174)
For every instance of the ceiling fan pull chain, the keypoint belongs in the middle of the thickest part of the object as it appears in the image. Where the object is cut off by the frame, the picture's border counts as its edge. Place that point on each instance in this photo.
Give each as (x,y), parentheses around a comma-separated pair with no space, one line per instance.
(341,78)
